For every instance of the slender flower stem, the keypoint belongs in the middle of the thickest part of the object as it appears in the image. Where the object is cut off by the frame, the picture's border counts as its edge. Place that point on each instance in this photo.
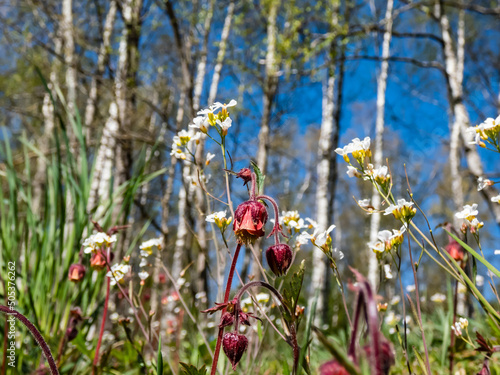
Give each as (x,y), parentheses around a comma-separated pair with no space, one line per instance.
(276,228)
(226,300)
(36,334)
(419,314)
(103,323)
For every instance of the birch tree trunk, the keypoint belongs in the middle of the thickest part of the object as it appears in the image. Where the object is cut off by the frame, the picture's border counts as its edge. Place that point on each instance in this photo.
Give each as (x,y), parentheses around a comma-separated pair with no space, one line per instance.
(69,57)
(318,281)
(102,58)
(378,155)
(48,130)
(270,82)
(111,149)
(459,112)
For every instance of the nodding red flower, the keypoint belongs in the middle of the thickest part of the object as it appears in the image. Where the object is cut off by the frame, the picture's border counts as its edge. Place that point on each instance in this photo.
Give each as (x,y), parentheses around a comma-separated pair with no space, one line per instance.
(234,346)
(455,250)
(76,272)
(249,220)
(227,319)
(245,174)
(387,358)
(279,257)
(332,368)
(98,261)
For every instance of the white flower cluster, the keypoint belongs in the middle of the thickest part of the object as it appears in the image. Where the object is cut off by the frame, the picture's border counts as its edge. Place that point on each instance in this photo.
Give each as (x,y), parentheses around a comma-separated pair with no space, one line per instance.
(459,326)
(146,249)
(97,241)
(489,128)
(117,272)
(468,214)
(386,240)
(354,147)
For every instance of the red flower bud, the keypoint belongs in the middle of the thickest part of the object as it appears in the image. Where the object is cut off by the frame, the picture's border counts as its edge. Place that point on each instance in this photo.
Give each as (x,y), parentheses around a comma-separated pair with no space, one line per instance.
(249,220)
(234,346)
(455,250)
(332,368)
(386,359)
(279,257)
(76,272)
(98,261)
(226,319)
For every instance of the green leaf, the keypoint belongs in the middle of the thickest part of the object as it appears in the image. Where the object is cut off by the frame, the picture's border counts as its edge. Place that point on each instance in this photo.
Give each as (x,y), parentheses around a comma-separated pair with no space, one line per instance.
(291,295)
(192,370)
(159,363)
(421,362)
(260,178)
(338,354)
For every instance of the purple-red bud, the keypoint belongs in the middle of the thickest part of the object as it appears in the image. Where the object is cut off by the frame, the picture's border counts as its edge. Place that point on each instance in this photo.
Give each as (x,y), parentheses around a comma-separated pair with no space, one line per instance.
(76,272)
(386,359)
(279,257)
(249,220)
(332,368)
(226,319)
(234,346)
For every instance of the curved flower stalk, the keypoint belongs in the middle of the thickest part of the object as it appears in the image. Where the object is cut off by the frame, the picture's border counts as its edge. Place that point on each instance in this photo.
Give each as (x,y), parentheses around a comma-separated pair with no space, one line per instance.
(37,336)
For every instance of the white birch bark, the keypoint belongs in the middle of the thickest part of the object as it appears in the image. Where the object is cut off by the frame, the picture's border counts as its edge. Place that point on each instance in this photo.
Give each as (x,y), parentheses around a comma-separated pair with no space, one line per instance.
(110,150)
(322,190)
(378,154)
(102,57)
(48,131)
(459,112)
(269,85)
(69,55)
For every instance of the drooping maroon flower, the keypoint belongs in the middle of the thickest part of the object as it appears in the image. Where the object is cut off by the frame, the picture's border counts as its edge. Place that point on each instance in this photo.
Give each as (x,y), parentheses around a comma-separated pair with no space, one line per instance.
(76,272)
(245,174)
(98,261)
(279,257)
(455,250)
(332,368)
(234,346)
(226,319)
(249,220)
(386,360)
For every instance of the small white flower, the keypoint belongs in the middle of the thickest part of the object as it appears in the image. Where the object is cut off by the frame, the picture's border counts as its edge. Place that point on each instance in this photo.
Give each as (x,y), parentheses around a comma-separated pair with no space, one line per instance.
(364,203)
(147,246)
(392,319)
(410,288)
(387,271)
(178,153)
(497,252)
(226,124)
(117,272)
(482,183)
(144,254)
(210,156)
(96,241)
(496,199)
(457,329)
(143,275)
(201,123)
(143,262)
(216,216)
(469,212)
(355,145)
(312,223)
(353,172)
(438,298)
(479,280)
(464,323)
(321,238)
(395,300)
(402,203)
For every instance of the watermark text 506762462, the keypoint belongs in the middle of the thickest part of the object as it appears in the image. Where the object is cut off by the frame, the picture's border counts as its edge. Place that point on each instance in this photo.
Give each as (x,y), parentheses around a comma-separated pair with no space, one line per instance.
(11,303)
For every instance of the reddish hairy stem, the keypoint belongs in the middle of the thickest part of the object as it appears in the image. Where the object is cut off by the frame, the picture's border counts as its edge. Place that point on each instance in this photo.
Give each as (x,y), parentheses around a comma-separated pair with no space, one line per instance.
(276,228)
(104,314)
(252,188)
(226,300)
(36,334)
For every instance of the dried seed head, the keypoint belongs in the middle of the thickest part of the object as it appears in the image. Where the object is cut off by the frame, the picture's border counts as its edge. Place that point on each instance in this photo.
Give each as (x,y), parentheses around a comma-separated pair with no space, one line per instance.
(76,272)
(234,346)
(249,220)
(279,257)
(245,174)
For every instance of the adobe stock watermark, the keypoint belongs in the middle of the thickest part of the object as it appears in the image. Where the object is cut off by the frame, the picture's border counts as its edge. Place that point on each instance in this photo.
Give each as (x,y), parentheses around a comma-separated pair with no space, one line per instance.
(11,320)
